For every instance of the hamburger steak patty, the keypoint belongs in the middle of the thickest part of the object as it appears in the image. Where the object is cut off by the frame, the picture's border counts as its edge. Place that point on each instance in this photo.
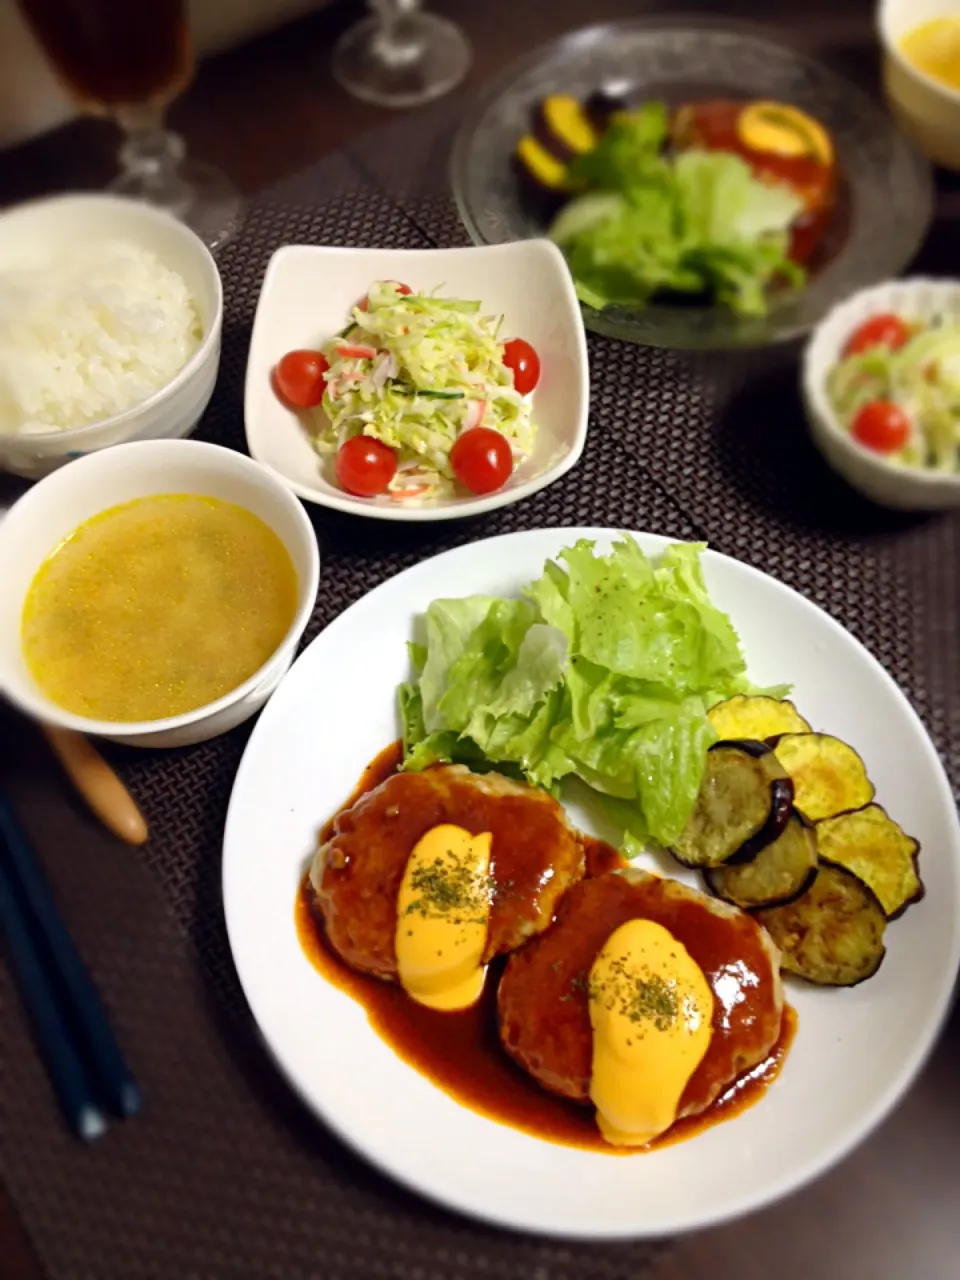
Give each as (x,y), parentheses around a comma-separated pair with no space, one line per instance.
(543,1001)
(356,874)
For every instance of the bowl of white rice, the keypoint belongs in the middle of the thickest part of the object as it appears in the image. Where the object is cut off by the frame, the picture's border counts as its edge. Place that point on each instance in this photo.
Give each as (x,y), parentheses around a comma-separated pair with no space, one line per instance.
(110,320)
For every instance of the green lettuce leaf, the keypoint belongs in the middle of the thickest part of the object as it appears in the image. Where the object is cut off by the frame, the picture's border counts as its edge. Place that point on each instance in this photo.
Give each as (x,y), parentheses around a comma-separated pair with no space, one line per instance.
(604,670)
(647,223)
(724,204)
(449,626)
(628,151)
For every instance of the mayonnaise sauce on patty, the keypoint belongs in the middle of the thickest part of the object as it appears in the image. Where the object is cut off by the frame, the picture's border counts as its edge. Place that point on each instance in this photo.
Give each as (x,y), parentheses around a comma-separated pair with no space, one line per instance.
(443,912)
(651,1010)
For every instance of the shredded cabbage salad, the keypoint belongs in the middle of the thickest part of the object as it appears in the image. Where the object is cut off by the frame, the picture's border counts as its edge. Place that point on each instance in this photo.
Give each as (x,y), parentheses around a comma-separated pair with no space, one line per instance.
(921,377)
(415,371)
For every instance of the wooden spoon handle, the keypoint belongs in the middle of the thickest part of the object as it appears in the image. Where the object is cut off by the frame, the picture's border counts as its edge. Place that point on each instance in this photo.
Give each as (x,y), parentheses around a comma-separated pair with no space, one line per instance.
(98,784)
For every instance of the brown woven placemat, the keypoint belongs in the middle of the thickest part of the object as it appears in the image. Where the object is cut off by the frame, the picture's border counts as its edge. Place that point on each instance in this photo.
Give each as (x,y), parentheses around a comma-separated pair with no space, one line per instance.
(225,1175)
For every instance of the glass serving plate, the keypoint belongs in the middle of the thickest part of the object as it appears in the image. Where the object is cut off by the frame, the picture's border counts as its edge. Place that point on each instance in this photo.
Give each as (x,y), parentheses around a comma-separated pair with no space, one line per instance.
(885,198)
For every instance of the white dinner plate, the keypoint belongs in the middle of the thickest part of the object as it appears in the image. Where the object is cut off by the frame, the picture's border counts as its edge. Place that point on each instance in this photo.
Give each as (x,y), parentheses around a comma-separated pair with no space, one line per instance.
(856,1050)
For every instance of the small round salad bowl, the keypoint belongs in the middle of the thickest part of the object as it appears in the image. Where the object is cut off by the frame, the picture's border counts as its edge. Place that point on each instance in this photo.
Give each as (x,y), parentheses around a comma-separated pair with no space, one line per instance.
(884,188)
(934,303)
(307,298)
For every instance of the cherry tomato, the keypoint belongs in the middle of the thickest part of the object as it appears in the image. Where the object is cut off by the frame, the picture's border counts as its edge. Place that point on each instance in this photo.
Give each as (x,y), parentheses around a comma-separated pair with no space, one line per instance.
(525,363)
(881,426)
(879,331)
(365,466)
(404,291)
(481,460)
(299,378)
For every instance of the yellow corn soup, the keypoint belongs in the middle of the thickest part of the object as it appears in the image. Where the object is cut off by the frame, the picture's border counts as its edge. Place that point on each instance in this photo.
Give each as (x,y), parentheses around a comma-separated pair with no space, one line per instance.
(934,48)
(156,607)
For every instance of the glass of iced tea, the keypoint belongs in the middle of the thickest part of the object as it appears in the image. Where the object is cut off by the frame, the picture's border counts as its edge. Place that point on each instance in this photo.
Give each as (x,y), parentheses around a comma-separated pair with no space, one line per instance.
(129,60)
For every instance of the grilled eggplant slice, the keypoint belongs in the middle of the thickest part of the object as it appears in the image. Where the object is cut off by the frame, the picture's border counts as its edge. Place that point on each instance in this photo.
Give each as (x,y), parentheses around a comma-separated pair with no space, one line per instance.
(876,849)
(541,173)
(756,716)
(833,934)
(744,803)
(562,126)
(779,873)
(828,776)
(604,103)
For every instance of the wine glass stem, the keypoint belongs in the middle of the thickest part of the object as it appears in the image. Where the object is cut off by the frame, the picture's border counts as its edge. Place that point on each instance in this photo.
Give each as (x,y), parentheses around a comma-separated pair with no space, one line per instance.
(395,45)
(151,154)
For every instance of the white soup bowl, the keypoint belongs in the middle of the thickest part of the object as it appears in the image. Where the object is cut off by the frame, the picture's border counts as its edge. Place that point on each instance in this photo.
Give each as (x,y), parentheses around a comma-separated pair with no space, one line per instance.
(928,110)
(52,509)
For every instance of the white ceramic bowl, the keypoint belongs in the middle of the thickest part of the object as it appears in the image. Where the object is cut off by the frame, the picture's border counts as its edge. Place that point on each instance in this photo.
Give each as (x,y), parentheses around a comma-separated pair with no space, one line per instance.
(57,505)
(891,485)
(30,233)
(928,110)
(306,296)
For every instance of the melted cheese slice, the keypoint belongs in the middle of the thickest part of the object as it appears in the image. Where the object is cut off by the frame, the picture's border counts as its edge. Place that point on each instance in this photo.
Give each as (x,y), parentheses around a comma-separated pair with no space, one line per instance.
(651,1010)
(443,910)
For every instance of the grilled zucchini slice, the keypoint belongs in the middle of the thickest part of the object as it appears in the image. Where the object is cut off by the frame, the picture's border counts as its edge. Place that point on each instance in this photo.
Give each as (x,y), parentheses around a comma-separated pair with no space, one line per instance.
(743,804)
(561,125)
(540,171)
(870,844)
(833,934)
(828,776)
(779,873)
(756,716)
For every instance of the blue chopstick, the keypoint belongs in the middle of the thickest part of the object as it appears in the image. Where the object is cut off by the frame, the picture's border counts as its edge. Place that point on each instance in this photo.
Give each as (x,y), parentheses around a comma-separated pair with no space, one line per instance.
(112,1077)
(64,1067)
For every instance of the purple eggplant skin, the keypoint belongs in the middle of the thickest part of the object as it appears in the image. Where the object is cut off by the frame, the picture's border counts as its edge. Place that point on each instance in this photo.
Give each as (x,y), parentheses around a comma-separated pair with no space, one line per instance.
(562,127)
(838,904)
(781,799)
(749,746)
(771,820)
(543,200)
(781,809)
(711,887)
(919,892)
(777,859)
(604,103)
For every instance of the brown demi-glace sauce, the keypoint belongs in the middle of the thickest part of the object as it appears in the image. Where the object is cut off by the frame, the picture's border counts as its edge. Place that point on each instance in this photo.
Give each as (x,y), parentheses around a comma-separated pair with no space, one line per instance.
(461,1052)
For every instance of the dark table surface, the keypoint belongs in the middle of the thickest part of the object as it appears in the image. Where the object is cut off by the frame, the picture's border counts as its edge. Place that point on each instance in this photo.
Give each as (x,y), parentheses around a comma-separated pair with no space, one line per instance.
(263,112)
